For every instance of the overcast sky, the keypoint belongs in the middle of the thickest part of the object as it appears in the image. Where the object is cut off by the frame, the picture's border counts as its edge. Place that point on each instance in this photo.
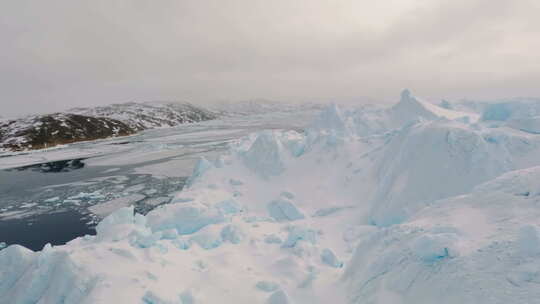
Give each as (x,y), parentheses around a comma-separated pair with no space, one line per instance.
(57,54)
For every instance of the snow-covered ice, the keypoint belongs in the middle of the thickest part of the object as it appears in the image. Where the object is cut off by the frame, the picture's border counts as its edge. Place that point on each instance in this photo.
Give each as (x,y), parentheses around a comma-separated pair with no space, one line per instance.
(115,204)
(415,203)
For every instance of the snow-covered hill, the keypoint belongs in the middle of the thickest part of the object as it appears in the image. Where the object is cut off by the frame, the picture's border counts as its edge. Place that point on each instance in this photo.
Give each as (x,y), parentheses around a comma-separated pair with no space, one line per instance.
(42,131)
(411,204)
(149,115)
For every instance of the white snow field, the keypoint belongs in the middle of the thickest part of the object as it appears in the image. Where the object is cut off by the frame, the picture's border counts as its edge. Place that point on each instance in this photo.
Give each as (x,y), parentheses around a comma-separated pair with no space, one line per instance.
(412,204)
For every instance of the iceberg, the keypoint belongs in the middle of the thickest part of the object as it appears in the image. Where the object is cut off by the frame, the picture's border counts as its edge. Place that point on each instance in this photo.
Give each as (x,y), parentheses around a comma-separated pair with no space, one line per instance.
(201,167)
(185,219)
(266,155)
(416,203)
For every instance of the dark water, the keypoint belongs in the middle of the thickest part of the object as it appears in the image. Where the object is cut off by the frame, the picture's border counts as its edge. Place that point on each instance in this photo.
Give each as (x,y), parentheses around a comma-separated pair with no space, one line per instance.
(42,203)
(23,181)
(26,191)
(34,232)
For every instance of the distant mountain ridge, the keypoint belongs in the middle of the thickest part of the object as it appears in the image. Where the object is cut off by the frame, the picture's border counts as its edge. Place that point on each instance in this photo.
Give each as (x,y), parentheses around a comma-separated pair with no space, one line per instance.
(82,124)
(259,106)
(149,115)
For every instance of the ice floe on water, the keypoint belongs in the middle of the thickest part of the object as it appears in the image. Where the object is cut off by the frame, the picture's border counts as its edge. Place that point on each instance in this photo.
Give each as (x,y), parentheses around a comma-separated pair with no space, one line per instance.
(115,204)
(412,204)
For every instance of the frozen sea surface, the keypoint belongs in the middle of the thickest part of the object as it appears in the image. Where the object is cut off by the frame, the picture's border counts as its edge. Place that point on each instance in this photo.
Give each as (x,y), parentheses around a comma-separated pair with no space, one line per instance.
(57,194)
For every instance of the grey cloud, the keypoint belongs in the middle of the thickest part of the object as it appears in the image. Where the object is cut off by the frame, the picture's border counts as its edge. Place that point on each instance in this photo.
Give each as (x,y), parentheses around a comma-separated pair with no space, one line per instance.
(59,53)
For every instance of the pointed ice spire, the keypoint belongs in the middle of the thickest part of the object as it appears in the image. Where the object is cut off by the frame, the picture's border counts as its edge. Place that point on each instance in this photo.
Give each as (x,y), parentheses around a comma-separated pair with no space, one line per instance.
(330,118)
(408,98)
(265,156)
(410,109)
(405,94)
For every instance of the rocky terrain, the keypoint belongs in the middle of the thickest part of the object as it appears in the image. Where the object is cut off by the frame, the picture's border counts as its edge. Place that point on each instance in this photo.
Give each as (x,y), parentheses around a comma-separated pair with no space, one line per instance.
(44,131)
(82,124)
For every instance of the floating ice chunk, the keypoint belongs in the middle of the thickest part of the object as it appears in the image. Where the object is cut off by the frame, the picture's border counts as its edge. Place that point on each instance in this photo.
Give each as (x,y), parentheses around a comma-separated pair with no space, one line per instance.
(115,204)
(229,207)
(433,247)
(52,199)
(329,258)
(267,286)
(74,202)
(278,297)
(200,168)
(135,188)
(181,200)
(87,196)
(185,219)
(27,205)
(232,234)
(151,191)
(529,240)
(265,156)
(283,210)
(2,245)
(272,239)
(120,224)
(297,234)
